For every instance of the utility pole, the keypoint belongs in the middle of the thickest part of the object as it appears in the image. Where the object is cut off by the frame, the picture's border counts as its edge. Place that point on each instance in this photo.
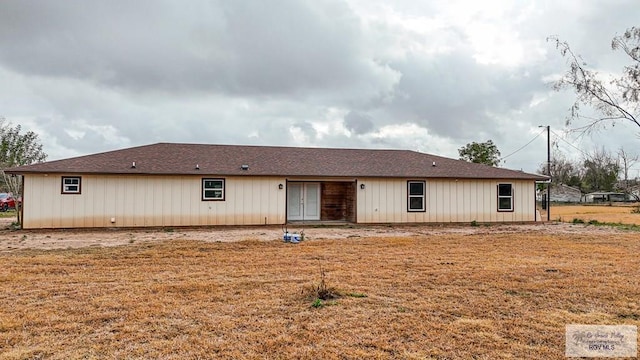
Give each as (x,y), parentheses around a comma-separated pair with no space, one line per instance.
(549,172)
(548,201)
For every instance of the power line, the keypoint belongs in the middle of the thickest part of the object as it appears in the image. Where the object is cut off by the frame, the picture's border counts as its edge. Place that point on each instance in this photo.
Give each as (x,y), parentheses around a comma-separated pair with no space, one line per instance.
(524,146)
(585,154)
(570,144)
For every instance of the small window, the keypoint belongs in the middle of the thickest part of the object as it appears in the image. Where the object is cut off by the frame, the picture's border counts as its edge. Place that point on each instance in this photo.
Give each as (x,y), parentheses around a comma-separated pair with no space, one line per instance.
(505,197)
(415,196)
(212,189)
(71,184)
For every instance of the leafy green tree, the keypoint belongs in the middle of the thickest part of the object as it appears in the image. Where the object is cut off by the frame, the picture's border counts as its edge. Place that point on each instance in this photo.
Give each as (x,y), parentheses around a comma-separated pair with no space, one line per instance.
(17,149)
(481,153)
(613,100)
(563,171)
(600,171)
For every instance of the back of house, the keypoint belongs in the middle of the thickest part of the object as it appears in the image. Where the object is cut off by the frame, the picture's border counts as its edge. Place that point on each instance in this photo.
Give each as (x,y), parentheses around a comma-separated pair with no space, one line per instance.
(170,184)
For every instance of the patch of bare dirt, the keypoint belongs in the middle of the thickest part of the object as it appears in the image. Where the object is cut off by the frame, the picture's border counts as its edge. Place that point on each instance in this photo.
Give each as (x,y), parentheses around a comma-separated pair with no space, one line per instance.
(79,238)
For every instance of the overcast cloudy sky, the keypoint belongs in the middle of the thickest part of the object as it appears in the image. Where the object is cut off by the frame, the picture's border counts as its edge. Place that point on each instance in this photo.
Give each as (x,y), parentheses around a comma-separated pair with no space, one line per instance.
(432,76)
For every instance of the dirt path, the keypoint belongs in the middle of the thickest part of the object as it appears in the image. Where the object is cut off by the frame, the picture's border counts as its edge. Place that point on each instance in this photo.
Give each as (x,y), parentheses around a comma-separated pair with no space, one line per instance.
(61,239)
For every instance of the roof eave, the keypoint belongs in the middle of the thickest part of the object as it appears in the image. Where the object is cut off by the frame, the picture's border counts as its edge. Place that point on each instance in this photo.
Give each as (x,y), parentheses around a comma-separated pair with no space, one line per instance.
(529,177)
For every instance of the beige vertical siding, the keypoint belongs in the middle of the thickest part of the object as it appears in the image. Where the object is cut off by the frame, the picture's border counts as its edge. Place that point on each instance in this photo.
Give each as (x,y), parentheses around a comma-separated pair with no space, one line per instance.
(150,201)
(447,200)
(136,201)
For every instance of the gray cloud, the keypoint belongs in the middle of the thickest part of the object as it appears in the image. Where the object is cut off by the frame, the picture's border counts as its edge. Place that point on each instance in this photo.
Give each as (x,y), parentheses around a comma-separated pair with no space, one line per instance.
(290,48)
(358,123)
(455,97)
(99,75)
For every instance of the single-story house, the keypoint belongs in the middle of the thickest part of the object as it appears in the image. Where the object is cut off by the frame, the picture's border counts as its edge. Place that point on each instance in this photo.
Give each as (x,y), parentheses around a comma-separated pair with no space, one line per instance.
(602,197)
(170,184)
(561,193)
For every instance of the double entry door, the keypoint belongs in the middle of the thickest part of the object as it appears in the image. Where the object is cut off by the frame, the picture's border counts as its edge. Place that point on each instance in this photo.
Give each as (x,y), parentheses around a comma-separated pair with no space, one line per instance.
(303,201)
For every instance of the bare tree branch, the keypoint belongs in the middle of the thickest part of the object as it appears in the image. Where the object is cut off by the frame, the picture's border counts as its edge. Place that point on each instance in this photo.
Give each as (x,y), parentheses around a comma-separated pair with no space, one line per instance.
(617,102)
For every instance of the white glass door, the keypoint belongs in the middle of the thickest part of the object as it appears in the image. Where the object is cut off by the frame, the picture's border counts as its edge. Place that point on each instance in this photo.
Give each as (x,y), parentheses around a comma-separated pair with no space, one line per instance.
(303,201)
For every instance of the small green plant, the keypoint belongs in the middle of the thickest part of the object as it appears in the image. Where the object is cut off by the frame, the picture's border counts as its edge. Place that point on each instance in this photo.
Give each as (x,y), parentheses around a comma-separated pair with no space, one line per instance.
(474,223)
(621,226)
(317,303)
(631,316)
(357,295)
(577,221)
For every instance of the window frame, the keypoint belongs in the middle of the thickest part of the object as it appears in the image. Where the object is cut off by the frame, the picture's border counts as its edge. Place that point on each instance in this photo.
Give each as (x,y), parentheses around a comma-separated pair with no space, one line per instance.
(423,196)
(511,197)
(65,191)
(203,189)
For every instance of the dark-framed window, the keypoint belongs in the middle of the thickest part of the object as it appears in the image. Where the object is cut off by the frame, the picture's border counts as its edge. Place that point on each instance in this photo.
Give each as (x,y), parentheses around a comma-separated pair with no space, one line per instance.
(212,189)
(416,191)
(71,184)
(505,197)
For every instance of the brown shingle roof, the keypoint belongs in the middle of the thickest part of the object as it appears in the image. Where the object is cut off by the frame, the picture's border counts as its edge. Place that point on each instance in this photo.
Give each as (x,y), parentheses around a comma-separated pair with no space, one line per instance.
(227,160)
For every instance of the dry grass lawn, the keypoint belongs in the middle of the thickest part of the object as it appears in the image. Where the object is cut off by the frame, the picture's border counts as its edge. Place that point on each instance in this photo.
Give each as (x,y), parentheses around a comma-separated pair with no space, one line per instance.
(601,213)
(450,296)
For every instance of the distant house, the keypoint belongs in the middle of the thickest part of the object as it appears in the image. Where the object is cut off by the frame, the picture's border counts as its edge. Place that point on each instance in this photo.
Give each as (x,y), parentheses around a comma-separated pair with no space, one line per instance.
(565,193)
(603,197)
(169,184)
